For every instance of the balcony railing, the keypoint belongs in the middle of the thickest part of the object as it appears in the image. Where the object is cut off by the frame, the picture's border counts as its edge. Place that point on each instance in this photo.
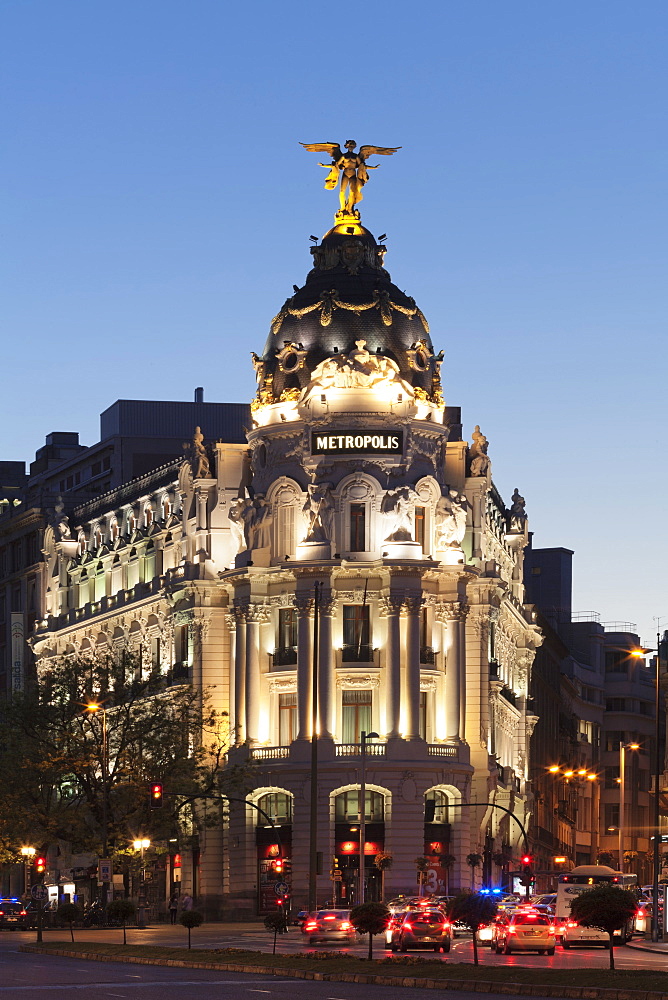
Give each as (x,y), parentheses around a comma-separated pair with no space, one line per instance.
(443,750)
(270,753)
(355,750)
(284,656)
(357,653)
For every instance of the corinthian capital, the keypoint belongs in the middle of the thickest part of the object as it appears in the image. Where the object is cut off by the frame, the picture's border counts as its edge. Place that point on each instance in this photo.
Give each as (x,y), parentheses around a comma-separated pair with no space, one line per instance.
(240,611)
(390,604)
(326,602)
(304,605)
(451,611)
(413,602)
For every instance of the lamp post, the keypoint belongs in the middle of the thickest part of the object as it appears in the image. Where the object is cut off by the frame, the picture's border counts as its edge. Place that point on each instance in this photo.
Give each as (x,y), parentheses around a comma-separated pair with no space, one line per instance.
(313,818)
(27,853)
(94,707)
(364,736)
(623,747)
(656,767)
(141,845)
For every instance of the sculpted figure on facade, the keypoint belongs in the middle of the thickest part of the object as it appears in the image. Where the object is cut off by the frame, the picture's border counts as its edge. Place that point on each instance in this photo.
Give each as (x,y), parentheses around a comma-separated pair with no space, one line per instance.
(518,515)
(451,514)
(251,522)
(478,453)
(319,511)
(61,522)
(199,460)
(357,370)
(237,518)
(397,506)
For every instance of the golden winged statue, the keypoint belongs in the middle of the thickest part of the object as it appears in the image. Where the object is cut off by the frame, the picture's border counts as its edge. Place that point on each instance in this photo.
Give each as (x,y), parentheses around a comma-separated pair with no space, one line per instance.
(348,169)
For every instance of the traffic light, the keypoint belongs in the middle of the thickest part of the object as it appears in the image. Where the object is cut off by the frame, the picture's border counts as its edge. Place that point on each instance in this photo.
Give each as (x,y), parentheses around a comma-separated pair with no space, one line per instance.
(527,860)
(278,866)
(156,795)
(40,865)
(527,870)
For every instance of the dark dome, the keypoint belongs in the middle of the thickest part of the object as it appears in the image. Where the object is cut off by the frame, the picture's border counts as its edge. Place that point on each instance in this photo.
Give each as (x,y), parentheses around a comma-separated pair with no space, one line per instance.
(348,296)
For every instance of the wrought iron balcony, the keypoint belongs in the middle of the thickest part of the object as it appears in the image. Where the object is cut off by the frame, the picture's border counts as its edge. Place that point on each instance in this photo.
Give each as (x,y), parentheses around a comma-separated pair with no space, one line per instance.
(285,656)
(357,653)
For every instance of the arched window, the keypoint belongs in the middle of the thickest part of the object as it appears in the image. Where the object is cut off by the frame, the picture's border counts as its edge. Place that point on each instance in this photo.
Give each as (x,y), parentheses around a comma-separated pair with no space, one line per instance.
(166,508)
(277,805)
(436,803)
(346,806)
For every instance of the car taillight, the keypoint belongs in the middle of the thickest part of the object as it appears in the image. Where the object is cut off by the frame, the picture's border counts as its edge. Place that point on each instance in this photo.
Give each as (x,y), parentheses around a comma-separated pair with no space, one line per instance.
(511,930)
(408,927)
(345,925)
(572,923)
(23,913)
(311,925)
(446,926)
(552,930)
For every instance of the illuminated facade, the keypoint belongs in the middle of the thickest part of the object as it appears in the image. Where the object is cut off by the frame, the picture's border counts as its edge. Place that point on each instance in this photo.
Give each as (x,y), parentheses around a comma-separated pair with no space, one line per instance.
(355,478)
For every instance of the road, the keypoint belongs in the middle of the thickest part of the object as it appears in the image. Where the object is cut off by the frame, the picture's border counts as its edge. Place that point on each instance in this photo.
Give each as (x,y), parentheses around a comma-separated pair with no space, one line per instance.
(40,977)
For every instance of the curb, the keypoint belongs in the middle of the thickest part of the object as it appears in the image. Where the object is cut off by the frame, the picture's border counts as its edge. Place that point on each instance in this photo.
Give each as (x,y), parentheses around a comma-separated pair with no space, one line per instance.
(646,947)
(459,985)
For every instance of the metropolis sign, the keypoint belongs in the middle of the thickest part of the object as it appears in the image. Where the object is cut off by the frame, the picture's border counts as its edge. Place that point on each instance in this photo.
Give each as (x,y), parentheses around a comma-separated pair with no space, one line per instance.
(357,443)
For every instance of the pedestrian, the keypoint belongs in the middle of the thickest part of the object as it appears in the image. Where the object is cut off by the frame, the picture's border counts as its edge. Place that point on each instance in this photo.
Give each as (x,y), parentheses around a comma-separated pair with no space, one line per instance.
(186,902)
(173,907)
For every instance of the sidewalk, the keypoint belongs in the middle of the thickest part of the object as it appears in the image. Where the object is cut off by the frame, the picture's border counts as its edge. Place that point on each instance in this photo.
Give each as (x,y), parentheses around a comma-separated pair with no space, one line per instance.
(659,947)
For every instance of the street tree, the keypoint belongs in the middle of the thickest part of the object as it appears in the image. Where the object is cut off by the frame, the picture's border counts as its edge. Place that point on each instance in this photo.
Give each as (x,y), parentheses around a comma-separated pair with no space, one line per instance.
(474,910)
(65,769)
(607,907)
(121,910)
(190,919)
(370,918)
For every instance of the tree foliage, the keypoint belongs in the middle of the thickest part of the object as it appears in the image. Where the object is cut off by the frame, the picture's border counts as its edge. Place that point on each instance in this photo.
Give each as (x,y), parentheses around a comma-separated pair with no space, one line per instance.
(190,919)
(607,907)
(52,778)
(121,910)
(370,918)
(473,910)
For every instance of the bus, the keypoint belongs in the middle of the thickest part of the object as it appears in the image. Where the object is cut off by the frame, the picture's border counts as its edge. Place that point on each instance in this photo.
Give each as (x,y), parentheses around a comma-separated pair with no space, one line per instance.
(578,880)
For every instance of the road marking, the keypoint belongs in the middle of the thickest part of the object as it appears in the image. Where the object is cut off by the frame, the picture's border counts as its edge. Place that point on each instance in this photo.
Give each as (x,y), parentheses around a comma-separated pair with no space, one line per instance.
(160,982)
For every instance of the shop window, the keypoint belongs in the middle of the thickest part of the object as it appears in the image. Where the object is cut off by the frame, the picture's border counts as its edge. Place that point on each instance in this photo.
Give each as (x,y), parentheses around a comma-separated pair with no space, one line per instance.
(356,714)
(287,718)
(357,527)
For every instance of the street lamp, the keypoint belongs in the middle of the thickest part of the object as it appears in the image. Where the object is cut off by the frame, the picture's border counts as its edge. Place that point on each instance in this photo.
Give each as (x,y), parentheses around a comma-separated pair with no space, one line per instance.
(27,854)
(656,767)
(623,747)
(93,707)
(142,845)
(364,736)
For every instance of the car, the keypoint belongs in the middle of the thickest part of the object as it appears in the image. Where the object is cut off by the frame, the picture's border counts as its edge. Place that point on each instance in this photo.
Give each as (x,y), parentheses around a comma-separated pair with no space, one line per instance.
(13,914)
(526,930)
(329,925)
(300,918)
(425,927)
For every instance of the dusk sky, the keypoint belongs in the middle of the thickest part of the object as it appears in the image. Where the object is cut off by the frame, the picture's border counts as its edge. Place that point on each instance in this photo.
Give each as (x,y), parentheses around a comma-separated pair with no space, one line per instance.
(157,207)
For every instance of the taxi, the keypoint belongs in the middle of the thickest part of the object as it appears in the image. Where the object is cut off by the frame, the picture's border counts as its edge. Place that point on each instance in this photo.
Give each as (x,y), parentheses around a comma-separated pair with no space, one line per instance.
(525,930)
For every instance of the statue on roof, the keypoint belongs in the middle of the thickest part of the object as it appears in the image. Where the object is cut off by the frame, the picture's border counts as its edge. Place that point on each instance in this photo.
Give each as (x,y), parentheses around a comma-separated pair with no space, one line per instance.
(348,169)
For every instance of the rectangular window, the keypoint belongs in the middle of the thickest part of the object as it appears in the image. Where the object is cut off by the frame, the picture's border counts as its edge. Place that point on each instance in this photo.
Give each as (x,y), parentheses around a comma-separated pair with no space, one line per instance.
(617,705)
(287,628)
(611,777)
(420,525)
(358,527)
(181,643)
(423,715)
(616,661)
(155,654)
(356,715)
(613,738)
(611,816)
(356,634)
(287,718)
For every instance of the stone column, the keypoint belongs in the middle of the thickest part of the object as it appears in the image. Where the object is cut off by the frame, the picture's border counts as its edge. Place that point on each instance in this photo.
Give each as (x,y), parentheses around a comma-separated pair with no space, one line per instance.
(240,612)
(304,605)
(447,615)
(461,630)
(231,622)
(413,603)
(256,615)
(327,607)
(392,606)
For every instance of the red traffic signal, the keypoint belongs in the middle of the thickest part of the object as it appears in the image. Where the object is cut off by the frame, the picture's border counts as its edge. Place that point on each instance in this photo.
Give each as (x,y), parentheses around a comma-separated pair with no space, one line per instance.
(156,795)
(527,859)
(40,865)
(278,866)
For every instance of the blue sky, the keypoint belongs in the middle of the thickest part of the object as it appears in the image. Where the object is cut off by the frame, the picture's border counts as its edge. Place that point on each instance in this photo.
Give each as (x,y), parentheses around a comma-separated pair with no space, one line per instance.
(156,208)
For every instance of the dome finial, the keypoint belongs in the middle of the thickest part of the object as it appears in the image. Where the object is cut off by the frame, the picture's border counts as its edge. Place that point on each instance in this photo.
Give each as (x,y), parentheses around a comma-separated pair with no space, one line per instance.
(349,170)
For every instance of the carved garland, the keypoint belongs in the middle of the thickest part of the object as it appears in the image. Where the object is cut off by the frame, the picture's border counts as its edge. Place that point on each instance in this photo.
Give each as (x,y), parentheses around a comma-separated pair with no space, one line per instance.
(357,681)
(331,301)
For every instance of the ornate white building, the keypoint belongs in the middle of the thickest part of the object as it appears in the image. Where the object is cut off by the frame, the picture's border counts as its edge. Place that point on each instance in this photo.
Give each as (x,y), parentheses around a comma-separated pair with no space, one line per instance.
(355,482)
